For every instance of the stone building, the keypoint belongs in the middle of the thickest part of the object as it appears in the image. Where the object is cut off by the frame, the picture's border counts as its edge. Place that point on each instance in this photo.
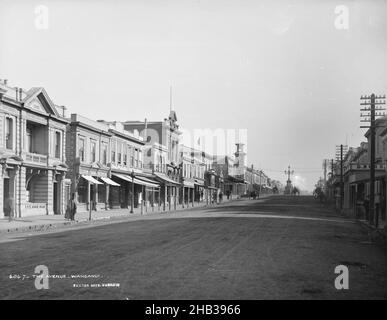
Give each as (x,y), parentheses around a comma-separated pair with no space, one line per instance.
(193,171)
(32,153)
(102,157)
(163,138)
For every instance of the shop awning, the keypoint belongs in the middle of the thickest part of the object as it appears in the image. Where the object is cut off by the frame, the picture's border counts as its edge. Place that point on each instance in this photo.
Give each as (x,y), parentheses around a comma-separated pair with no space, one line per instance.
(123,177)
(234,179)
(199,182)
(152,183)
(91,179)
(110,181)
(189,184)
(141,180)
(136,181)
(165,179)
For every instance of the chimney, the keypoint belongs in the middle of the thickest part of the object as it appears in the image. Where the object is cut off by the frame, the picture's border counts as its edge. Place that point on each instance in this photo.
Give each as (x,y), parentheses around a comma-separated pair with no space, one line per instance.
(5,82)
(17,93)
(63,111)
(20,94)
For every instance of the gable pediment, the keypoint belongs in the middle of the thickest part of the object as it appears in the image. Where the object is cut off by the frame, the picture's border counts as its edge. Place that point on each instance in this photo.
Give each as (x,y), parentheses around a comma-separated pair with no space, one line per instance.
(39,101)
(36,105)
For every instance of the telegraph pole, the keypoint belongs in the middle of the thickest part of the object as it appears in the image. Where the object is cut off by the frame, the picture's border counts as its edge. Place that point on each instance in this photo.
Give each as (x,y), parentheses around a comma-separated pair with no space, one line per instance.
(339,157)
(331,191)
(371,107)
(325,164)
(341,178)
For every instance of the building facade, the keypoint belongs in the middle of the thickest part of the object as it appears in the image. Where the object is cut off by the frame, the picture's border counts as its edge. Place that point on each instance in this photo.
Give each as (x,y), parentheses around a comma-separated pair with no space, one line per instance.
(194,166)
(163,139)
(102,158)
(356,177)
(32,153)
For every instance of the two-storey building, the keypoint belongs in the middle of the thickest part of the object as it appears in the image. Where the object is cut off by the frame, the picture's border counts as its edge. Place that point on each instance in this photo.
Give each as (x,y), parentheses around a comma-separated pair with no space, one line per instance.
(102,157)
(193,168)
(32,153)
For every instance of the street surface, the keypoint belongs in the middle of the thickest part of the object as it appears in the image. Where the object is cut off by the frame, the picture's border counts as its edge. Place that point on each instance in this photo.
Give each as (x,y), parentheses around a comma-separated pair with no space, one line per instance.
(275,248)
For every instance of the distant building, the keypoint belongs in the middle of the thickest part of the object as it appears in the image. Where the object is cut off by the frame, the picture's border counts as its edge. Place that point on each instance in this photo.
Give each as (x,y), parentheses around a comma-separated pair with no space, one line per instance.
(192,176)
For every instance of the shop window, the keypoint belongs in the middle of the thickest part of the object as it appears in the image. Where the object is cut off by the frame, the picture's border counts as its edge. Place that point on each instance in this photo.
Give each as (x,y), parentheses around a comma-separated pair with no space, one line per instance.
(82,191)
(101,193)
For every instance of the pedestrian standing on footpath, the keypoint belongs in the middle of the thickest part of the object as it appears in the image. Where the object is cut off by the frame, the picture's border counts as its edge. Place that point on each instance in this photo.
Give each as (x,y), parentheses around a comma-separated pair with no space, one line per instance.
(71,207)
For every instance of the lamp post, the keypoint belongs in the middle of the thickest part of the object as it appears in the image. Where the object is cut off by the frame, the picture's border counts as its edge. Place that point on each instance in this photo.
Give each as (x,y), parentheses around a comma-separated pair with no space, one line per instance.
(132,202)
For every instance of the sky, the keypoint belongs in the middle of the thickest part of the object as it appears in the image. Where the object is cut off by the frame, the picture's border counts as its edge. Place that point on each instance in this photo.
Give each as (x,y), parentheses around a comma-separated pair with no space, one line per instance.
(287,74)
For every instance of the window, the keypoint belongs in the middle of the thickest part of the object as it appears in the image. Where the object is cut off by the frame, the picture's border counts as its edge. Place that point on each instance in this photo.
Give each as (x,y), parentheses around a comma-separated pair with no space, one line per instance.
(29,140)
(113,152)
(57,144)
(9,133)
(81,149)
(131,152)
(125,159)
(136,157)
(93,150)
(140,158)
(104,153)
(119,154)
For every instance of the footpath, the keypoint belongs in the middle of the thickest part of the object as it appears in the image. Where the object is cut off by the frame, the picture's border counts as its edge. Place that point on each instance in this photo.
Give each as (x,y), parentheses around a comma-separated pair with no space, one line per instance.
(45,222)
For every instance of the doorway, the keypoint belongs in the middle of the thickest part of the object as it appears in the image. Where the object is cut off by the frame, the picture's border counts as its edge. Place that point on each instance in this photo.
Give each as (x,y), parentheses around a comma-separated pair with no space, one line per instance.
(6,195)
(56,200)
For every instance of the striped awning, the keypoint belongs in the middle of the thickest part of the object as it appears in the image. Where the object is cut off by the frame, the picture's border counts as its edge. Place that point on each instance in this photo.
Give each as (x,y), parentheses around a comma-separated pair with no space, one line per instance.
(110,181)
(166,179)
(91,179)
(151,183)
(135,180)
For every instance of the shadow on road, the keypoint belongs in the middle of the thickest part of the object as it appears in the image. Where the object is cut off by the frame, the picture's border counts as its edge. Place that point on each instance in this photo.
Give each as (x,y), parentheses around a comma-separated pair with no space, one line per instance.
(303,206)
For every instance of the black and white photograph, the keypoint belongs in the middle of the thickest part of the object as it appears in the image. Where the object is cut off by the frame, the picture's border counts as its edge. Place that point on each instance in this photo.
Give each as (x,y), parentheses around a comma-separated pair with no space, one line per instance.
(217,151)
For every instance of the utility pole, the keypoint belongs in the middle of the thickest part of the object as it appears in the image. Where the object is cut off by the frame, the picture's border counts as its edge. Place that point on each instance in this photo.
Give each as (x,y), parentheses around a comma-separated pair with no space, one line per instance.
(372,110)
(340,150)
(341,178)
(331,195)
(325,163)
